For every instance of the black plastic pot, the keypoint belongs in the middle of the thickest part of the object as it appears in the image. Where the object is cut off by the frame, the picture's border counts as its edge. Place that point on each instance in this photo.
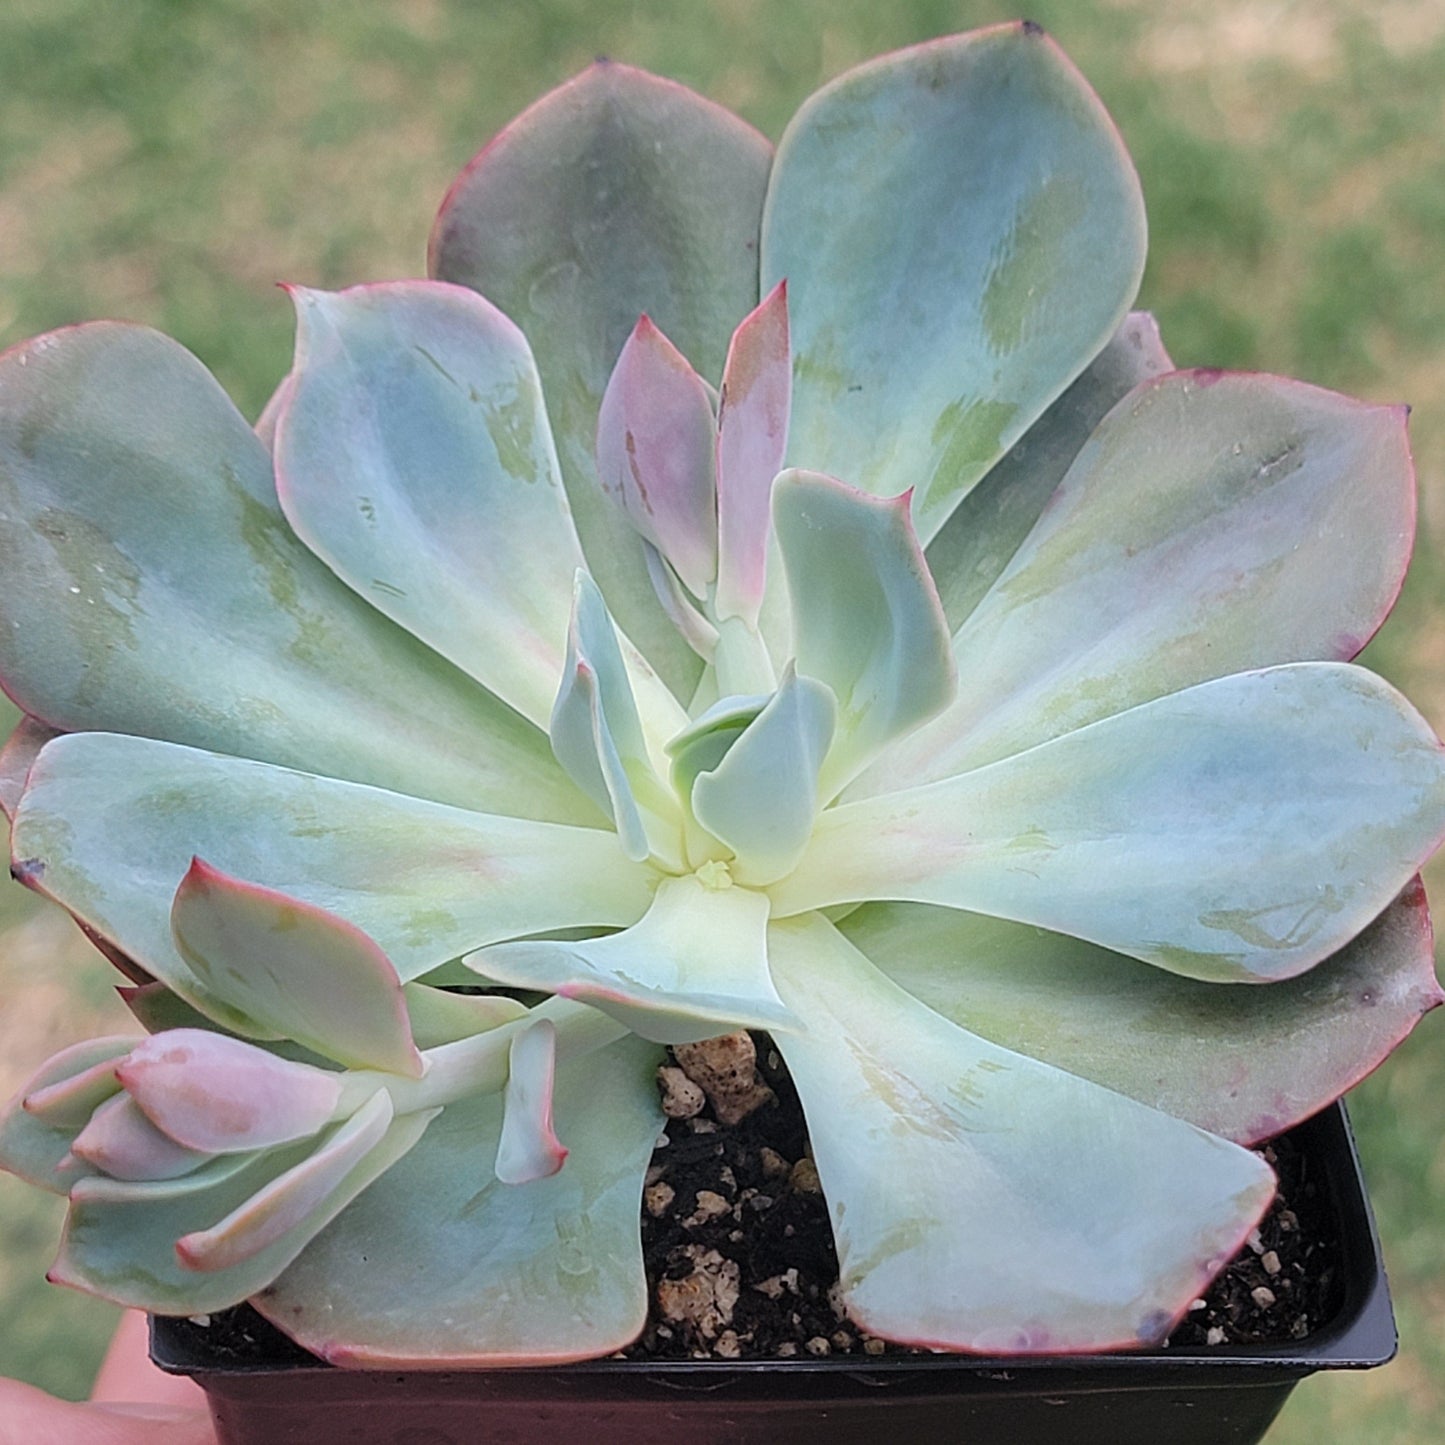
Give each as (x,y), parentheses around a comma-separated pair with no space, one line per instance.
(1217,1396)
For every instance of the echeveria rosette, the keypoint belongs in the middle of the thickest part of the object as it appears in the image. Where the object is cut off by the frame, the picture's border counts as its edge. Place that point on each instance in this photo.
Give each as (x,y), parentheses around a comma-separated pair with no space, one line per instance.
(1036,638)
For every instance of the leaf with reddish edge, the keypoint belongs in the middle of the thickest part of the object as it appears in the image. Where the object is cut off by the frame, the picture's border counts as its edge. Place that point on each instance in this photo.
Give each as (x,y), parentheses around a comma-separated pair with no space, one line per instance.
(312,1190)
(528,1147)
(120,1141)
(656,447)
(1118,1215)
(35,1143)
(439,1264)
(962,231)
(1246,1063)
(265,427)
(153,587)
(424,881)
(752,436)
(1213,523)
(301,972)
(120,1238)
(866,616)
(694,967)
(212,1092)
(20,751)
(1241,830)
(617,194)
(987,527)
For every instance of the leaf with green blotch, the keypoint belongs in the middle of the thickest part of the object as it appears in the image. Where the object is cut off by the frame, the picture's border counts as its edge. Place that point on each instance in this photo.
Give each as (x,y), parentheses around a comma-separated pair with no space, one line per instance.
(441,1264)
(1118,1215)
(1213,523)
(299,971)
(695,966)
(617,194)
(35,1144)
(110,824)
(1243,829)
(961,231)
(153,587)
(120,1238)
(981,537)
(866,616)
(413,457)
(1243,1062)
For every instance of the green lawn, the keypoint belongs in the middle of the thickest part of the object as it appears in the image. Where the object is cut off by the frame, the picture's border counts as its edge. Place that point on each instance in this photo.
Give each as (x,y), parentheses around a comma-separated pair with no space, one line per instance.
(169,162)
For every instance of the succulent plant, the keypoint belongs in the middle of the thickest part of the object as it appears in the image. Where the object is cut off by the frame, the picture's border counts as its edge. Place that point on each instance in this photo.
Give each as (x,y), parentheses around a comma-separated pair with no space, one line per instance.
(873,640)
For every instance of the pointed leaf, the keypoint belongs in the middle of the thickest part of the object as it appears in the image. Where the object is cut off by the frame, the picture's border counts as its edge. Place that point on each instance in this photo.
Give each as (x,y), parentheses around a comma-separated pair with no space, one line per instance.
(617,194)
(294,1199)
(1247,1063)
(120,1239)
(656,446)
(1242,829)
(961,231)
(866,616)
(528,1148)
(987,527)
(762,798)
(694,967)
(20,751)
(110,823)
(120,1141)
(1117,1215)
(757,391)
(153,587)
(1213,523)
(441,1264)
(265,427)
(413,457)
(35,1143)
(296,969)
(439,1016)
(209,1091)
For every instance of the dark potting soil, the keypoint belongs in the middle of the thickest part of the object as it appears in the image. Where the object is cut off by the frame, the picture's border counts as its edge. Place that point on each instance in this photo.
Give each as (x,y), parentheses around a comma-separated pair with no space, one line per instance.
(740,1259)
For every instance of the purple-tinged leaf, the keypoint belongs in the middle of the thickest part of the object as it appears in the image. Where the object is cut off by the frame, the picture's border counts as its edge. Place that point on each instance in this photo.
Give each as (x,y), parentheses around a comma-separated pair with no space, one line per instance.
(1044,1215)
(210,1091)
(16,757)
(120,1141)
(301,972)
(656,446)
(265,427)
(1246,1063)
(528,1148)
(69,1103)
(757,389)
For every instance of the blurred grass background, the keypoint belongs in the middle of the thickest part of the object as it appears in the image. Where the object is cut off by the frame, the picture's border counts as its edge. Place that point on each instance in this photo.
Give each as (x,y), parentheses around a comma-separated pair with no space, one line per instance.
(168,160)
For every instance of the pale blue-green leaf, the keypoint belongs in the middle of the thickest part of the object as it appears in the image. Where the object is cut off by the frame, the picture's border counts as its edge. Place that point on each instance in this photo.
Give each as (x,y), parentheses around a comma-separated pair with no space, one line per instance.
(961,231)
(656,453)
(212,1092)
(695,966)
(265,427)
(1242,829)
(979,540)
(866,615)
(699,748)
(1117,1215)
(120,1239)
(617,194)
(413,457)
(439,1264)
(439,1016)
(120,1141)
(109,826)
(301,972)
(21,749)
(306,1196)
(36,1145)
(1243,1062)
(762,798)
(152,586)
(598,737)
(1213,523)
(528,1147)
